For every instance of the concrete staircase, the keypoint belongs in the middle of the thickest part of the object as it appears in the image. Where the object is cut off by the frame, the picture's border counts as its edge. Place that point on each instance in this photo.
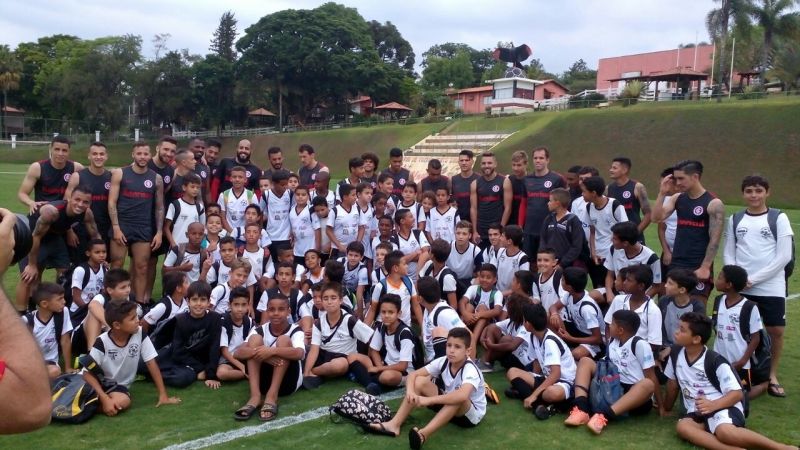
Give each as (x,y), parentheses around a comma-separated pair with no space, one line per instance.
(445,148)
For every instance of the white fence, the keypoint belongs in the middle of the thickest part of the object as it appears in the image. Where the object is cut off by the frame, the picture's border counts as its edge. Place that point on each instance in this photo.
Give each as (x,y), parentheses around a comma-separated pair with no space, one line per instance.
(224,133)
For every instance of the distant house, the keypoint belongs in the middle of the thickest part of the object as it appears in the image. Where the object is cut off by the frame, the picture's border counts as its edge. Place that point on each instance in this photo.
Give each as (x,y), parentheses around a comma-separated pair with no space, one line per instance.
(506,95)
(474,100)
(13,120)
(361,105)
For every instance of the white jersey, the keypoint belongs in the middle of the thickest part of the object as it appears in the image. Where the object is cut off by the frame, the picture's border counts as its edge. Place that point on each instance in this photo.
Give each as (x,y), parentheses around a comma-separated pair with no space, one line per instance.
(548,291)
(330,198)
(258,262)
(345,224)
(602,220)
(729,342)
(354,276)
(490,299)
(507,265)
(585,314)
(402,291)
(45,333)
(325,242)
(694,382)
(647,257)
(671,226)
(631,362)
(416,211)
(463,263)
(236,340)
(442,225)
(753,247)
(579,209)
(340,337)
(171,260)
(553,351)
(233,206)
(276,213)
(189,213)
(93,286)
(377,275)
(468,374)
(159,312)
(517,331)
(370,228)
(441,315)
(395,355)
(376,241)
(304,225)
(225,274)
(649,316)
(445,277)
(220,298)
(119,364)
(415,241)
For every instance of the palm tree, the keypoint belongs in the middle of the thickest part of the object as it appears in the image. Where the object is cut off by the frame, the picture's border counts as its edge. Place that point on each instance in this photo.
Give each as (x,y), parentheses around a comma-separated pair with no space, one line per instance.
(10,74)
(718,22)
(787,65)
(776,19)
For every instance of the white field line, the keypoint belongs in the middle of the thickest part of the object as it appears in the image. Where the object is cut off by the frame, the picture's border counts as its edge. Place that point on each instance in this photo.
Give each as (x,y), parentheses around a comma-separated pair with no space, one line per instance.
(227,436)
(12,173)
(793,296)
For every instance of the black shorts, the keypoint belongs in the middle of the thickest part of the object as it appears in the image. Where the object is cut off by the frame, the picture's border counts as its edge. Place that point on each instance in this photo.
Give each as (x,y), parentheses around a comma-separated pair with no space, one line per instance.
(110,387)
(292,380)
(642,409)
(751,378)
(326,357)
(135,234)
(53,253)
(509,360)
(772,309)
(162,250)
(439,347)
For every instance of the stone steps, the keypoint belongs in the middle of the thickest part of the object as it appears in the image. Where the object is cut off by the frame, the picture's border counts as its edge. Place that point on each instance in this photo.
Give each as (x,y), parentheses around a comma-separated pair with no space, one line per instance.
(446,148)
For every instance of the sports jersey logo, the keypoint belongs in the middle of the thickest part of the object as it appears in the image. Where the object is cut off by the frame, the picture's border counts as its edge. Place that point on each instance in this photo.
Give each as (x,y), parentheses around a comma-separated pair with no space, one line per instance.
(203,174)
(700,286)
(167,179)
(133,351)
(402,182)
(766,233)
(548,184)
(107,185)
(741,231)
(148,184)
(66,176)
(247,173)
(698,210)
(495,188)
(313,176)
(626,194)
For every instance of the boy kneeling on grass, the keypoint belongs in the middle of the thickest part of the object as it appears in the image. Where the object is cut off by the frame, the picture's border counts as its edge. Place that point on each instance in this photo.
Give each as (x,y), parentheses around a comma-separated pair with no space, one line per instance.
(634,360)
(111,365)
(452,384)
(715,413)
(274,354)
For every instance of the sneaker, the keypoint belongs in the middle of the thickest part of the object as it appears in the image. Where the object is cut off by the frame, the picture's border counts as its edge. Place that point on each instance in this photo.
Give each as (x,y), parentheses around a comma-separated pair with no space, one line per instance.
(491,395)
(373,389)
(576,418)
(311,382)
(543,412)
(597,423)
(484,366)
(511,393)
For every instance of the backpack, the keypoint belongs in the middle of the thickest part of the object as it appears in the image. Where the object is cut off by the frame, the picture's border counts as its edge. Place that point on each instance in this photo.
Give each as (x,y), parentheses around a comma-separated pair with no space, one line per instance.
(58,322)
(395,238)
(164,329)
(606,387)
(556,282)
(250,196)
(66,280)
(176,205)
(710,364)
(772,220)
(180,251)
(405,332)
(440,277)
(477,298)
(227,323)
(351,325)
(443,305)
(614,205)
(385,288)
(761,359)
(360,408)
(74,400)
(215,266)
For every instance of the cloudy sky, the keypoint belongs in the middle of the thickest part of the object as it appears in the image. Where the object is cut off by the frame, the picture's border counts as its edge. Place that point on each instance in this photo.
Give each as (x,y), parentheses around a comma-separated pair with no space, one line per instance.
(558,32)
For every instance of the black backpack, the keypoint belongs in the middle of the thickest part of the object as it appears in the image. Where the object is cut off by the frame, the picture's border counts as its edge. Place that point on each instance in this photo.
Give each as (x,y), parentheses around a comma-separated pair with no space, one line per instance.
(176,204)
(404,332)
(761,359)
(351,325)
(58,323)
(180,251)
(215,266)
(440,279)
(710,364)
(66,280)
(227,323)
(477,298)
(772,220)
(74,400)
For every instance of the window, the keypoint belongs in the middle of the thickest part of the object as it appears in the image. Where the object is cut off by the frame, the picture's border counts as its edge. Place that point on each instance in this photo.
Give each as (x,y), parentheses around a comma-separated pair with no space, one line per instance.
(459,103)
(503,93)
(487,100)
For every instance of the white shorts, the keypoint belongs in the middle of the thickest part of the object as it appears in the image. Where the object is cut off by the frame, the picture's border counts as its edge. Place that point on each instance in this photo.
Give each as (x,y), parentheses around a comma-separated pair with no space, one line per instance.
(566,387)
(592,349)
(732,416)
(473,415)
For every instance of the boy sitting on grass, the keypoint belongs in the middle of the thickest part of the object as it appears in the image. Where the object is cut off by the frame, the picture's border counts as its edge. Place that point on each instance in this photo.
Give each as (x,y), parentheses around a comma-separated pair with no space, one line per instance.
(507,341)
(390,363)
(51,327)
(581,329)
(481,304)
(111,376)
(274,354)
(713,401)
(634,360)
(453,384)
(236,326)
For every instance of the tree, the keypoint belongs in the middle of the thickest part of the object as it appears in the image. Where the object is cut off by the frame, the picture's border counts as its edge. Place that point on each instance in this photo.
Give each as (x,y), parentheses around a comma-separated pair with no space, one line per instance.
(718,23)
(165,89)
(34,55)
(480,60)
(776,18)
(391,46)
(214,88)
(787,64)
(224,37)
(442,73)
(579,77)
(10,74)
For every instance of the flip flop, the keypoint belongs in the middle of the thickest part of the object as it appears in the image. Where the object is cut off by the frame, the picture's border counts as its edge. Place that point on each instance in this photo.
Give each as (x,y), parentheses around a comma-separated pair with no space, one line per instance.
(381,431)
(268,408)
(773,390)
(245,412)
(415,438)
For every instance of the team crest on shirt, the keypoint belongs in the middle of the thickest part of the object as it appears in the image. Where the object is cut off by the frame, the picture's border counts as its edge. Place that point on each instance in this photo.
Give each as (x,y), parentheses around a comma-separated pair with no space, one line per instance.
(626,194)
(203,174)
(313,176)
(66,176)
(107,185)
(247,173)
(766,233)
(698,210)
(700,286)
(495,188)
(548,184)
(133,350)
(402,182)
(148,184)
(167,179)
(741,232)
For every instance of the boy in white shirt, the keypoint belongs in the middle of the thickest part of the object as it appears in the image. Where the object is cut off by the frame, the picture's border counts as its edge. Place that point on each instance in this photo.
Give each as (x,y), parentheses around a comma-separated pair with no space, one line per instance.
(306,231)
(346,224)
(236,326)
(443,218)
(482,304)
(583,327)
(87,280)
(234,201)
(603,212)
(510,259)
(184,211)
(51,327)
(635,282)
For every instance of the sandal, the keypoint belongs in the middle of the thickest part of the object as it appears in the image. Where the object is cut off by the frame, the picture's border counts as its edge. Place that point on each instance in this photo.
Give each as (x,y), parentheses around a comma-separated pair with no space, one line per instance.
(491,395)
(415,438)
(776,390)
(245,412)
(268,408)
(380,431)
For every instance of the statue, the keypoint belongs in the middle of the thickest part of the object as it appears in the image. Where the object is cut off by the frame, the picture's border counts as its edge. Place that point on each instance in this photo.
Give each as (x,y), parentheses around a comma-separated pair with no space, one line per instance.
(515,56)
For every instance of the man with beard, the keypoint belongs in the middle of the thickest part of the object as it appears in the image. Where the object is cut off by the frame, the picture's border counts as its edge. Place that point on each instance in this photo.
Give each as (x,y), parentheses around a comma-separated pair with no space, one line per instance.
(573,182)
(50,222)
(213,147)
(490,200)
(222,181)
(309,166)
(162,165)
(538,186)
(275,156)
(198,148)
(461,183)
(399,174)
(184,165)
(98,180)
(136,207)
(631,193)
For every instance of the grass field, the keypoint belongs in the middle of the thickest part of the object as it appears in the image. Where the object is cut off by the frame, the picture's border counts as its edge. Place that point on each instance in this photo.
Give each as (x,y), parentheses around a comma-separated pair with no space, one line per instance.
(205,412)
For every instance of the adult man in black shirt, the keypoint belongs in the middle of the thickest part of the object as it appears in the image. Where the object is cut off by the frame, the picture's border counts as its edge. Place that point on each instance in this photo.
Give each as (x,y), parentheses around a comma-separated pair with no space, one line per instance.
(98,179)
(631,193)
(491,196)
(222,181)
(537,192)
(399,174)
(275,156)
(461,183)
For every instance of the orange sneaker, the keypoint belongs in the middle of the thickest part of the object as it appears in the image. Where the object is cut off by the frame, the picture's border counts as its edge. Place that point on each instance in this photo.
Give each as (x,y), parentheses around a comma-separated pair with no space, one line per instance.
(597,423)
(576,418)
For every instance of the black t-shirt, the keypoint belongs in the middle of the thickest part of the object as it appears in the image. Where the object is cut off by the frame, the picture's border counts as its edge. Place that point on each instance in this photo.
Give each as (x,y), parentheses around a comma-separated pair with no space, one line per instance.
(691,234)
(537,193)
(626,194)
(196,342)
(252,173)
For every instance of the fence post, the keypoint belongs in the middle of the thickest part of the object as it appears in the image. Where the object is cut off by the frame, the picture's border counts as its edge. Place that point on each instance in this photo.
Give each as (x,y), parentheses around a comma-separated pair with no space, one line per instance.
(13,141)
(96,136)
(136,134)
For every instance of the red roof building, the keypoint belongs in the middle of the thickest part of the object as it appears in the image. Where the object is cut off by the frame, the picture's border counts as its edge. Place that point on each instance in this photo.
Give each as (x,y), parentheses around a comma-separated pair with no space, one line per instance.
(477,100)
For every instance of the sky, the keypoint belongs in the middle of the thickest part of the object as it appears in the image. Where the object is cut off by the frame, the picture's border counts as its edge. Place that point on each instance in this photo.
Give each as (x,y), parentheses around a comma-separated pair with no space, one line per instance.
(559,33)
